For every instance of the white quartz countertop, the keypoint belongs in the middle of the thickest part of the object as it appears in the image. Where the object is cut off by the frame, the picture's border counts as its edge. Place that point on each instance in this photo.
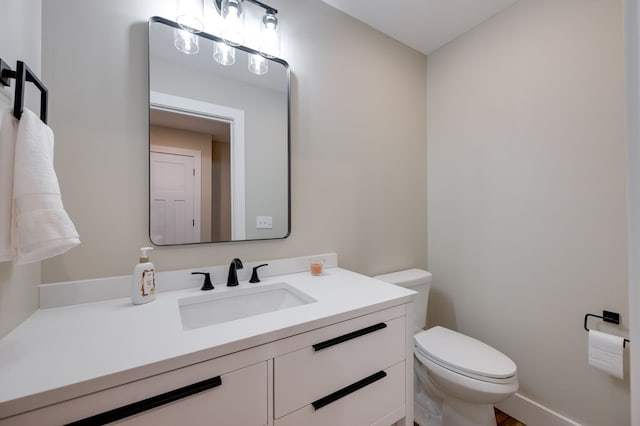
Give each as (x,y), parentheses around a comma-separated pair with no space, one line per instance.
(64,352)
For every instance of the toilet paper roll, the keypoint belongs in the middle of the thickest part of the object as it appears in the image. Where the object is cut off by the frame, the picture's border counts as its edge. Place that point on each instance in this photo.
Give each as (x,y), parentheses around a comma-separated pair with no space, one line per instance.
(606,352)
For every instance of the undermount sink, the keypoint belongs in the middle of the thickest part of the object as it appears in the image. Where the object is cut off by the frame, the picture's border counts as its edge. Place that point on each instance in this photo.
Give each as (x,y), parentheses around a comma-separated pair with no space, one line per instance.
(209,309)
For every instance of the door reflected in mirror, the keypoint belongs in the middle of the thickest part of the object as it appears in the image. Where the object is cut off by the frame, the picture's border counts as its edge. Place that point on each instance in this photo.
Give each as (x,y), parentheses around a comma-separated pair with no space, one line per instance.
(218,144)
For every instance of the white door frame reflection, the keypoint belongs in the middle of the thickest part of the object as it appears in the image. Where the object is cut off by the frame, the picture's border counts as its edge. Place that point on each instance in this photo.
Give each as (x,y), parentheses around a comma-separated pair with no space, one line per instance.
(181,108)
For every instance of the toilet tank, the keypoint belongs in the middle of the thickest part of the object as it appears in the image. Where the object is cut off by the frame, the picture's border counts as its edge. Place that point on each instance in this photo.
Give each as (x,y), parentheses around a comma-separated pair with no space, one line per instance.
(416,280)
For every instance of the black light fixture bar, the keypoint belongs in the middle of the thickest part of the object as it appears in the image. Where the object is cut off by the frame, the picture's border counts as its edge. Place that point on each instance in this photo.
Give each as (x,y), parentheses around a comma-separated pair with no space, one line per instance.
(266,7)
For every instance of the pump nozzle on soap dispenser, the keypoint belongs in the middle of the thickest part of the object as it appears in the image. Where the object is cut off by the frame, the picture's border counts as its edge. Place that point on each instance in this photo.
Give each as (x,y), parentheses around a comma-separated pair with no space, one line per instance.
(144,256)
(143,284)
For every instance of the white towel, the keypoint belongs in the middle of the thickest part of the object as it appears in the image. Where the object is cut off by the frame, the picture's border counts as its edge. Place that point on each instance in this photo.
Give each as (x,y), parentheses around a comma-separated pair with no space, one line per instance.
(43,227)
(8,126)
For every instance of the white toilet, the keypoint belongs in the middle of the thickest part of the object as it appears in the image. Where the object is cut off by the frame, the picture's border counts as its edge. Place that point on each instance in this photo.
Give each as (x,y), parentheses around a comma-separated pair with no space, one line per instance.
(457,378)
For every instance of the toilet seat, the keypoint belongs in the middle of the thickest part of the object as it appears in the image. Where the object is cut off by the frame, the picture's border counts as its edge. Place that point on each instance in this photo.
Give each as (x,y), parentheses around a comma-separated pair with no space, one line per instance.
(464,355)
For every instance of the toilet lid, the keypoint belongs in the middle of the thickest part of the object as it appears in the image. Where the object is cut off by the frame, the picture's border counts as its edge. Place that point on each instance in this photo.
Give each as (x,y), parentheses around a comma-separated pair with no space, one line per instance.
(464,354)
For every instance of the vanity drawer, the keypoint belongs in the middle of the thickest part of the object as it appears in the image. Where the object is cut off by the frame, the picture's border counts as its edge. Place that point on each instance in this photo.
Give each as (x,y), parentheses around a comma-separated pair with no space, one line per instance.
(239,400)
(381,402)
(188,396)
(328,364)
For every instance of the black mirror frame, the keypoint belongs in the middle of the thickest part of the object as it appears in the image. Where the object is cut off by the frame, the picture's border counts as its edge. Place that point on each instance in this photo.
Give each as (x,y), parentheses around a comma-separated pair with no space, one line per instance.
(158,19)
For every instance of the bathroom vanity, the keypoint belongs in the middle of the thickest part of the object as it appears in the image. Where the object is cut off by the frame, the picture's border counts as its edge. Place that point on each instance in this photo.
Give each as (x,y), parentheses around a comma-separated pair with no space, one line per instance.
(336,352)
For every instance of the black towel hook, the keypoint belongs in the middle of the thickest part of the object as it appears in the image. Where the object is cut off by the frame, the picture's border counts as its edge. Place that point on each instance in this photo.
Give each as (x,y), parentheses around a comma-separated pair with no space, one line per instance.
(22,75)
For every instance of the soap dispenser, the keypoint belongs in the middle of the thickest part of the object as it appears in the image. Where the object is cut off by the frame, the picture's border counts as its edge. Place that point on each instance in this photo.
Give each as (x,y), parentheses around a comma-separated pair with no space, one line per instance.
(143,288)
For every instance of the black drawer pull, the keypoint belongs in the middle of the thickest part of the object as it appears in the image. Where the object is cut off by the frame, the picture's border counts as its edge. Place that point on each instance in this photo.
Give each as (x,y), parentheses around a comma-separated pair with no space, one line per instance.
(336,340)
(347,390)
(149,403)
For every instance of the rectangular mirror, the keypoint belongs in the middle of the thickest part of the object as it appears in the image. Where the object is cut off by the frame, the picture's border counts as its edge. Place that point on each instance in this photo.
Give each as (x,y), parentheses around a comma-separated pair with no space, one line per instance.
(219,162)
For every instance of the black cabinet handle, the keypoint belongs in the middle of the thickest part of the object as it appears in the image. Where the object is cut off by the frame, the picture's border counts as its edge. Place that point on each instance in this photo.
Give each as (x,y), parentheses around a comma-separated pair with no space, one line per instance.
(348,390)
(340,339)
(148,404)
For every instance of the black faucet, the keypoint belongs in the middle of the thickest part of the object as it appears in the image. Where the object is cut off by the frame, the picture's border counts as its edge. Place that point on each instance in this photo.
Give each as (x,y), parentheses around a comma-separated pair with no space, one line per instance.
(232,279)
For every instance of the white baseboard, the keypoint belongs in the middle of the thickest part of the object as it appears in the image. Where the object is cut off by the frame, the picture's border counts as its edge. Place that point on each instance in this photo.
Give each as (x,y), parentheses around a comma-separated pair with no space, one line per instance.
(531,413)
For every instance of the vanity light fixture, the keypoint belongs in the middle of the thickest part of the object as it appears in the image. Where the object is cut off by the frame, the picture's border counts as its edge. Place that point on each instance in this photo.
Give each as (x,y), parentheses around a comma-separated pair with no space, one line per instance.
(190,22)
(233,13)
(189,18)
(233,31)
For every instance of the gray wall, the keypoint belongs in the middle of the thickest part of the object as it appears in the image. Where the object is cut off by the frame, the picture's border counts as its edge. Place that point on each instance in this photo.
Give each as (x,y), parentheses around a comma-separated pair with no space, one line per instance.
(526,183)
(19,40)
(358,143)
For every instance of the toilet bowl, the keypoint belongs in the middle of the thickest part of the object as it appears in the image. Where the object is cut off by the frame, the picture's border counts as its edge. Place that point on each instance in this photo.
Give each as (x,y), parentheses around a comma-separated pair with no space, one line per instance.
(457,378)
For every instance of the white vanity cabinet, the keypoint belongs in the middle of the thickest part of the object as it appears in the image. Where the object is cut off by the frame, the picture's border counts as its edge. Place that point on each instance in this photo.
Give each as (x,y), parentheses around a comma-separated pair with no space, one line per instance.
(340,362)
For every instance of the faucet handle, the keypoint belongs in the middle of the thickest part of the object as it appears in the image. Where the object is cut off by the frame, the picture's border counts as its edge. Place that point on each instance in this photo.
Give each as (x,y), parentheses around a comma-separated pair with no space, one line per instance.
(254,273)
(207,285)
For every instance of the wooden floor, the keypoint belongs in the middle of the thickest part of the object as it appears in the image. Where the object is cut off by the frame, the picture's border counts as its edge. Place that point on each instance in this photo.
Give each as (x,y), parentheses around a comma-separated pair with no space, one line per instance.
(503,419)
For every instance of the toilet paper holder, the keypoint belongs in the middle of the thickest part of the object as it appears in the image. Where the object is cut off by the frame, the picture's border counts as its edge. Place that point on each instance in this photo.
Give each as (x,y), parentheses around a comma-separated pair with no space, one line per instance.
(607,316)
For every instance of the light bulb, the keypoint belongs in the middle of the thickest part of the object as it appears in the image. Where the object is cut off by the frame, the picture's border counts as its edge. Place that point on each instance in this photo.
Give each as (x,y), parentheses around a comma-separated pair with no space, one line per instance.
(189,15)
(223,53)
(270,36)
(232,14)
(185,41)
(258,64)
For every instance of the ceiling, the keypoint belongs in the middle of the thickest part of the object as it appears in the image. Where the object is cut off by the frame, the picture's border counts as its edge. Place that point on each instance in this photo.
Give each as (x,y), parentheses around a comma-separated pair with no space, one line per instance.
(424,25)
(219,130)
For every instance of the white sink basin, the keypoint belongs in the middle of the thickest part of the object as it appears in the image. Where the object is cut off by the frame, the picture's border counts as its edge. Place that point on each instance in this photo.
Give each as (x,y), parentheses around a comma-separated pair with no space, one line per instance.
(208,309)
